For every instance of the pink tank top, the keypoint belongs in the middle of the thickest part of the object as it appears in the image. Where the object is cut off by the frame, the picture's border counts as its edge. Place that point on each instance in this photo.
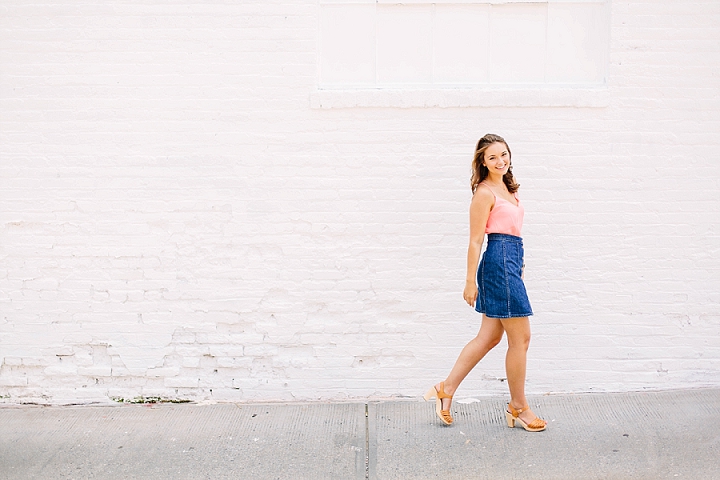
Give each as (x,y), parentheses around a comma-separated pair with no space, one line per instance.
(505,217)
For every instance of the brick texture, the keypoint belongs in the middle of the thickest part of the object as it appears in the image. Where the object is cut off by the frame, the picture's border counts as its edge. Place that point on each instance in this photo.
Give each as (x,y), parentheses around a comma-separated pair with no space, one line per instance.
(177,220)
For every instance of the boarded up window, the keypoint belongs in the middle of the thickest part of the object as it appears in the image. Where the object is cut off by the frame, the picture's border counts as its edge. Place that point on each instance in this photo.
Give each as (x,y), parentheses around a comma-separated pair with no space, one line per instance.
(382,44)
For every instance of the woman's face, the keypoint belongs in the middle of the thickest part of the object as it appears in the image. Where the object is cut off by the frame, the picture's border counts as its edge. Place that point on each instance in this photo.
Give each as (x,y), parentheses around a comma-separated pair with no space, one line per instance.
(497,158)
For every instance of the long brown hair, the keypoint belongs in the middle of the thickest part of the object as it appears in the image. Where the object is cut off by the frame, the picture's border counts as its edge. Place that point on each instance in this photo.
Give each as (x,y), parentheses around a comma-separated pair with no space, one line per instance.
(480,171)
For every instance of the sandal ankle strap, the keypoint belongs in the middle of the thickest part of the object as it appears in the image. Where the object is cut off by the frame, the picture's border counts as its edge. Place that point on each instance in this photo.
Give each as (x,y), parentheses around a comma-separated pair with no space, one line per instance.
(515,412)
(441,393)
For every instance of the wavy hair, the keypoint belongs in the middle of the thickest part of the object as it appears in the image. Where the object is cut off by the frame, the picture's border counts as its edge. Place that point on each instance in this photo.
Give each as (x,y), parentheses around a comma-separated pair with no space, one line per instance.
(480,171)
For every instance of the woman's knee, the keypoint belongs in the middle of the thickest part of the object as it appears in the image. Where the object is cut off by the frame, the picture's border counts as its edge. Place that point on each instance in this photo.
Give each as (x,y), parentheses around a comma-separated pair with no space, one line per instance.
(494,341)
(518,332)
(487,341)
(519,337)
(519,340)
(491,332)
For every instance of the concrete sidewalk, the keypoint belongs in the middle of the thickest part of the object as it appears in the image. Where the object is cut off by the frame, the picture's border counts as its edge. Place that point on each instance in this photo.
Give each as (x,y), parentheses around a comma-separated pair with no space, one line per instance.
(671,434)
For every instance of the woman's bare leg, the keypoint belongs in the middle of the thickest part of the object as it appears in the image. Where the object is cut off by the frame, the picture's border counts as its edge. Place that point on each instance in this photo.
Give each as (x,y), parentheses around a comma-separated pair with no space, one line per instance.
(518,337)
(490,334)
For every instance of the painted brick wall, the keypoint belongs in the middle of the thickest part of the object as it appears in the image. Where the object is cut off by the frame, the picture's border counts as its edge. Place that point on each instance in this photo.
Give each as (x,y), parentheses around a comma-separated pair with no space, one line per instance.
(179,219)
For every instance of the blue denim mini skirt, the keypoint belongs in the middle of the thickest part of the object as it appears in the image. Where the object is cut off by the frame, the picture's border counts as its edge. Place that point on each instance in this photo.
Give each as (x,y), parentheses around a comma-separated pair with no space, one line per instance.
(501,290)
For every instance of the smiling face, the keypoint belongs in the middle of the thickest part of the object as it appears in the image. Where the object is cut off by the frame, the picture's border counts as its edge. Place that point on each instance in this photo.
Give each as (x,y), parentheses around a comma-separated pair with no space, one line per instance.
(497,158)
(492,159)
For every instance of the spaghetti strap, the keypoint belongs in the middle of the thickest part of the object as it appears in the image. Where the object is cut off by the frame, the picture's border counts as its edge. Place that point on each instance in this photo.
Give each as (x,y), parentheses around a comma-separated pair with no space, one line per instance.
(491,190)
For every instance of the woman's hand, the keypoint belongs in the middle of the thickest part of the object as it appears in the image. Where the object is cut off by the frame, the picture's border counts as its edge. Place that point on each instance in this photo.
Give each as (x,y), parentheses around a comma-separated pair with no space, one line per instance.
(471,292)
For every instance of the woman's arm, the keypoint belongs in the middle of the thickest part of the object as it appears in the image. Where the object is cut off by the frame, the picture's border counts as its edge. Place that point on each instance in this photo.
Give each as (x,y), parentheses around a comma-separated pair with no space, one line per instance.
(482,203)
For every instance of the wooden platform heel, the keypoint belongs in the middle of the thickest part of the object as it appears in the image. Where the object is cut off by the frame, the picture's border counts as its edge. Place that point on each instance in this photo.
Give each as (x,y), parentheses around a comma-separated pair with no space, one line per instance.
(513,416)
(444,415)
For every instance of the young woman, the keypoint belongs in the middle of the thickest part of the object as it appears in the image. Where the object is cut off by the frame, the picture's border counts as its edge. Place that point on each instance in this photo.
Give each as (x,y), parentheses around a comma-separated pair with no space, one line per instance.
(494,287)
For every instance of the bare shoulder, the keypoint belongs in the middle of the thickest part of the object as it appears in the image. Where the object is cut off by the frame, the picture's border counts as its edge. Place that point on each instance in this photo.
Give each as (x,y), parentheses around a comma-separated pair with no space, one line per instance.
(483,197)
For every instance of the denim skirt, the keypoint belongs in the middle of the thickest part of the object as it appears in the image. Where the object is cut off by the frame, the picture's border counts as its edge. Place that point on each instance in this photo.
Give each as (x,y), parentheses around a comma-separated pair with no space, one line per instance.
(501,290)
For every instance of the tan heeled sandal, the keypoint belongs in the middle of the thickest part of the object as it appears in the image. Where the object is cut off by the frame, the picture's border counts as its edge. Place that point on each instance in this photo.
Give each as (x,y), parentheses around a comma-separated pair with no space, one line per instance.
(512,416)
(439,395)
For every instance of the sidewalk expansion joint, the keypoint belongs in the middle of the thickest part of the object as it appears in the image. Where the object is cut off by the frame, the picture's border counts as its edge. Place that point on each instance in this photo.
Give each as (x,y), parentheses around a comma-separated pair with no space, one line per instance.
(367,444)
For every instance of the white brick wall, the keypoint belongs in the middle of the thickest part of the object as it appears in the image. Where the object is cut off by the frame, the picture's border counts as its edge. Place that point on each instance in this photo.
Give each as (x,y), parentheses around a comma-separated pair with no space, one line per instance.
(178,220)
